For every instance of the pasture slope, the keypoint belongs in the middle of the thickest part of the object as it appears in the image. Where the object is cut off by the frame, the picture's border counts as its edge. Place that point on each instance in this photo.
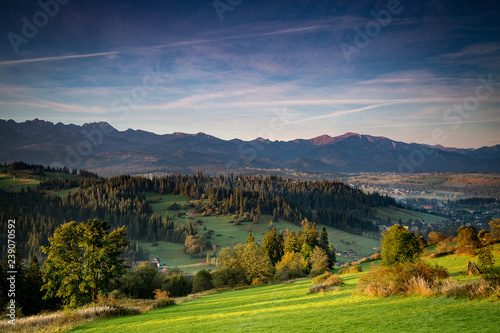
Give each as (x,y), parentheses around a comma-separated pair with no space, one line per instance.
(289,308)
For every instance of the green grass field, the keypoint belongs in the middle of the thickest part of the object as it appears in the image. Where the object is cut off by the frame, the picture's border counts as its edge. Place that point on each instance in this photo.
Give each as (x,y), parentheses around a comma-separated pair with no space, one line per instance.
(24,179)
(289,308)
(395,214)
(172,255)
(228,234)
(11,183)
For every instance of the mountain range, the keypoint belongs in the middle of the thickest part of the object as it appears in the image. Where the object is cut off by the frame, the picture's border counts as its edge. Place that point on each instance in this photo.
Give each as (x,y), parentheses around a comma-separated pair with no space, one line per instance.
(100,147)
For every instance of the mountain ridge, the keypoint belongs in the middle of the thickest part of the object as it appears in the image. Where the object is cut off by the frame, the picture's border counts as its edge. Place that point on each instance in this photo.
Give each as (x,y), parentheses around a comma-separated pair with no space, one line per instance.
(100,147)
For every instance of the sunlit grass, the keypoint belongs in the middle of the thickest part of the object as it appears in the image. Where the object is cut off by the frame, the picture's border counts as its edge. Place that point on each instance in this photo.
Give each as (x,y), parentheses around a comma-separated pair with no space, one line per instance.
(289,308)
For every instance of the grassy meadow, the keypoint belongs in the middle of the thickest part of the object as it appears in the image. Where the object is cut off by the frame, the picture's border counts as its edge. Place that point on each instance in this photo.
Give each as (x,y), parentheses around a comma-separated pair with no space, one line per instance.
(395,214)
(289,308)
(227,234)
(24,179)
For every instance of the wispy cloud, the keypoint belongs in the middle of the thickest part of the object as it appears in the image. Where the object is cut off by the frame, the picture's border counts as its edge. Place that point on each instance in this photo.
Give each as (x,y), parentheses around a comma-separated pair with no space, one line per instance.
(57,58)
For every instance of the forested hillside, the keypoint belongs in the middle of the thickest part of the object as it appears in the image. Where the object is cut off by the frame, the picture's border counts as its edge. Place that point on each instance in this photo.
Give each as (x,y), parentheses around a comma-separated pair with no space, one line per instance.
(122,202)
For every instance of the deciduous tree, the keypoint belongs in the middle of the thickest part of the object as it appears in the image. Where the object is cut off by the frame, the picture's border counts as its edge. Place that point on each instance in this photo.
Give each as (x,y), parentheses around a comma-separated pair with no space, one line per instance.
(83,260)
(320,261)
(399,245)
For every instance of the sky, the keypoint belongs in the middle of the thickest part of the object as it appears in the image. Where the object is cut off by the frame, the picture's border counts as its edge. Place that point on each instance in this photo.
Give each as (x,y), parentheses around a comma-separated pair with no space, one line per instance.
(412,71)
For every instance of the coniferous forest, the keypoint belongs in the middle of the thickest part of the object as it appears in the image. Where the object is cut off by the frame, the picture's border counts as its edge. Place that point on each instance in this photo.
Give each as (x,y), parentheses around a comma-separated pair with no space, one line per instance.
(122,202)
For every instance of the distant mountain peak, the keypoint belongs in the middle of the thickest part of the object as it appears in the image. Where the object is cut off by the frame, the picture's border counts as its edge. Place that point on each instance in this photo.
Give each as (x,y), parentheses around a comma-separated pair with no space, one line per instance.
(39,141)
(321,140)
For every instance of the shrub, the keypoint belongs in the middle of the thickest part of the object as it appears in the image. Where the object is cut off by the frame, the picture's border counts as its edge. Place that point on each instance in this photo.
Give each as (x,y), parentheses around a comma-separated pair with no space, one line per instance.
(408,278)
(349,270)
(331,283)
(321,278)
(162,298)
(376,256)
(174,206)
(482,234)
(470,289)
(362,260)
(435,237)
(445,246)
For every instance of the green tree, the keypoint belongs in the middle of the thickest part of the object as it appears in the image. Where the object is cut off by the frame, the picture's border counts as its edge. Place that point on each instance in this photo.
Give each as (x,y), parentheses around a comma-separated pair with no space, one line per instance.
(250,238)
(244,264)
(331,255)
(306,250)
(399,245)
(34,281)
(486,261)
(273,245)
(292,265)
(495,228)
(64,266)
(254,261)
(141,281)
(194,245)
(291,244)
(102,255)
(467,237)
(320,261)
(202,281)
(83,260)
(323,239)
(178,285)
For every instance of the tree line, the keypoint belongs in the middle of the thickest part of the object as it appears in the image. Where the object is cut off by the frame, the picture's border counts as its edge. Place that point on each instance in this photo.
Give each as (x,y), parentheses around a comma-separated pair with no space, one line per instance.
(122,202)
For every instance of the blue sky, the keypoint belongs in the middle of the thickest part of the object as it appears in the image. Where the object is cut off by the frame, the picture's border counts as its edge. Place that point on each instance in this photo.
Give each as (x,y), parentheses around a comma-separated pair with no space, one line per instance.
(424,71)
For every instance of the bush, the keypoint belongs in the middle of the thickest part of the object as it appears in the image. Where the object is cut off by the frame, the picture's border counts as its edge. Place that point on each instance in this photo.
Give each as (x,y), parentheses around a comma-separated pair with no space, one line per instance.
(483,233)
(408,278)
(376,256)
(445,246)
(174,206)
(470,289)
(349,270)
(321,278)
(162,298)
(435,237)
(331,283)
